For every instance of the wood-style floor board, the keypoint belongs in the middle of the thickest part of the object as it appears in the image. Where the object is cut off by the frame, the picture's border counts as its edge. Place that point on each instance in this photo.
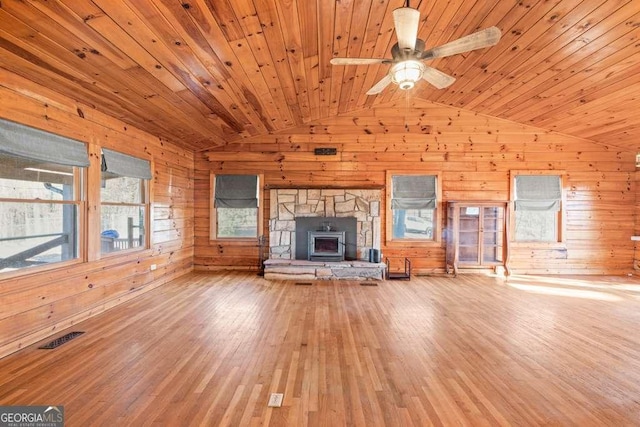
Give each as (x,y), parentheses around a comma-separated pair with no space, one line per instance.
(209,348)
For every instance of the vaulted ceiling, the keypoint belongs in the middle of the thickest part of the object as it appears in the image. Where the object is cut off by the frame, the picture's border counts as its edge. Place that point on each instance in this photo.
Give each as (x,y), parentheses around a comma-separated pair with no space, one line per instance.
(205,73)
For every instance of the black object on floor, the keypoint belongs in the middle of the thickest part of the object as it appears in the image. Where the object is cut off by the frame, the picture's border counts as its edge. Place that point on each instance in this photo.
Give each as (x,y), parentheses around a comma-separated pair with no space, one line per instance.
(400,275)
(59,341)
(368,284)
(303,283)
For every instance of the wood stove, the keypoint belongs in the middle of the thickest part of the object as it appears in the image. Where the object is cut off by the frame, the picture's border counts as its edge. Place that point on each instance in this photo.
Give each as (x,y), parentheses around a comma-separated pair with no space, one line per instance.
(326,245)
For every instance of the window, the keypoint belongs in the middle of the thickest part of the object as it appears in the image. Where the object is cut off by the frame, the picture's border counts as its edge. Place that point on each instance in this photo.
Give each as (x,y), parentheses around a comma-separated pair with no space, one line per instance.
(235,213)
(40,197)
(413,202)
(538,207)
(124,205)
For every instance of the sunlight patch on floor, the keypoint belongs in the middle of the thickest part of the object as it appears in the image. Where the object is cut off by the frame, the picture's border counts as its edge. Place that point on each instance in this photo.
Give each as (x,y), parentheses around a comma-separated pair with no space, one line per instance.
(565,292)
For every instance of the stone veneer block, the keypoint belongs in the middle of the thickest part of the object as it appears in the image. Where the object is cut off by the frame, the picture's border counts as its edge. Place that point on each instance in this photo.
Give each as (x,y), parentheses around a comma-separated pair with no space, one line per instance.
(374,208)
(362,205)
(286,198)
(323,273)
(342,207)
(285,238)
(313,194)
(360,216)
(330,193)
(320,208)
(329,208)
(302,197)
(274,238)
(288,191)
(285,226)
(303,210)
(286,211)
(273,206)
(296,277)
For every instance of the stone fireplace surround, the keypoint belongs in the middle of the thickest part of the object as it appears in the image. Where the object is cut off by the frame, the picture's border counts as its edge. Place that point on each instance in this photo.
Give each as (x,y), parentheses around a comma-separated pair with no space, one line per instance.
(288,204)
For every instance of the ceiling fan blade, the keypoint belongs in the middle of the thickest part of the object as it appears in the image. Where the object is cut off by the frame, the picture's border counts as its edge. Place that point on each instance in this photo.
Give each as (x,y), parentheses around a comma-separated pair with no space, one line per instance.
(437,78)
(379,87)
(357,61)
(483,38)
(406,21)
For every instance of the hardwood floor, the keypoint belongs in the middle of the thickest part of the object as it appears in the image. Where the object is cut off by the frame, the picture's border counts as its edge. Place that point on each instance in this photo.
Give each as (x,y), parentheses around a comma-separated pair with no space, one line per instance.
(208,349)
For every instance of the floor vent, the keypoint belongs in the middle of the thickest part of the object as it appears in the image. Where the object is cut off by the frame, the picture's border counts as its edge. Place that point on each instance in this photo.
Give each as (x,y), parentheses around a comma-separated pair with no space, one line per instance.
(59,341)
(303,283)
(368,284)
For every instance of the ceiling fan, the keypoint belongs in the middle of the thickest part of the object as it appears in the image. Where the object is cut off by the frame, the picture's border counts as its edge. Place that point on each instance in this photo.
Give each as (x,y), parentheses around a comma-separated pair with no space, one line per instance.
(408,54)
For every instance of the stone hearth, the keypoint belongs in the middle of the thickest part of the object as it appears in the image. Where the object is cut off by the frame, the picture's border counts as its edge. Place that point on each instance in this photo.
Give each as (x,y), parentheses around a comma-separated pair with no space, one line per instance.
(282,269)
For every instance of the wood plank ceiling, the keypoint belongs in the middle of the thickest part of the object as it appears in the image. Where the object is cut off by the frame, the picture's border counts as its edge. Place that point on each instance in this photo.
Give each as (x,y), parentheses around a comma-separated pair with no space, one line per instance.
(204,73)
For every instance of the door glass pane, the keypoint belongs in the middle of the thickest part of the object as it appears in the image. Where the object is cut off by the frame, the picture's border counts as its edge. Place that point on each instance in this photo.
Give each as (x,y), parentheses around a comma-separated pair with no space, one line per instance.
(492,234)
(469,235)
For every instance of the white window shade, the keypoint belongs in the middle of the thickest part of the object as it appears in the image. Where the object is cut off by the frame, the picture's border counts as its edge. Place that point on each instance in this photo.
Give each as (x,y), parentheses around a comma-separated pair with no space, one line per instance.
(27,142)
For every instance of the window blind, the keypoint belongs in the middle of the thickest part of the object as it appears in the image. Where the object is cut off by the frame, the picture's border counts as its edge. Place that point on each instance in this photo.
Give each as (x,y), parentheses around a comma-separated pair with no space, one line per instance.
(538,193)
(413,192)
(120,164)
(24,141)
(236,191)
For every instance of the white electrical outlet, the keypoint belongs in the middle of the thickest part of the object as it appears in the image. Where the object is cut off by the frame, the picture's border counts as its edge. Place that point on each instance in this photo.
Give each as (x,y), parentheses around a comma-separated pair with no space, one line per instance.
(275,401)
(153,267)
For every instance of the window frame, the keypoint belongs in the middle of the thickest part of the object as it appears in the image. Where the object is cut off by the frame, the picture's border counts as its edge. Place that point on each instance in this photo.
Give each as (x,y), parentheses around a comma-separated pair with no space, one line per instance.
(213,211)
(560,231)
(147,192)
(436,238)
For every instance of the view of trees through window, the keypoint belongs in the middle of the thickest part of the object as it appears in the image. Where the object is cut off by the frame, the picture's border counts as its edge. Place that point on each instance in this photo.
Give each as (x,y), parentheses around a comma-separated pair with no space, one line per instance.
(536,226)
(38,214)
(237,222)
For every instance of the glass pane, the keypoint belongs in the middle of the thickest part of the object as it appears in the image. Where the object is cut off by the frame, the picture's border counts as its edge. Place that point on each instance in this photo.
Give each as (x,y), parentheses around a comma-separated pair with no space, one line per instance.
(122,228)
(31,179)
(413,223)
(237,223)
(536,226)
(33,234)
(468,254)
(492,254)
(121,189)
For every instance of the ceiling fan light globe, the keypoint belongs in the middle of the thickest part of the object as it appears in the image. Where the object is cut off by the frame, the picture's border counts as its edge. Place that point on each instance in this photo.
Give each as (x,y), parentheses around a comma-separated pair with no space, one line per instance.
(406,21)
(405,74)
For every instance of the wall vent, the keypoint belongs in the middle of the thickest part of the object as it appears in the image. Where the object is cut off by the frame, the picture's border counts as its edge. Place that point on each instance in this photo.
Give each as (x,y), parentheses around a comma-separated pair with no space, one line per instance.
(325,151)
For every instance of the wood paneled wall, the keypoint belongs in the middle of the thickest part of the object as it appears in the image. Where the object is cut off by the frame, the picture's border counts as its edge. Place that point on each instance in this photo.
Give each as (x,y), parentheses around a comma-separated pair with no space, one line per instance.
(475,154)
(35,305)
